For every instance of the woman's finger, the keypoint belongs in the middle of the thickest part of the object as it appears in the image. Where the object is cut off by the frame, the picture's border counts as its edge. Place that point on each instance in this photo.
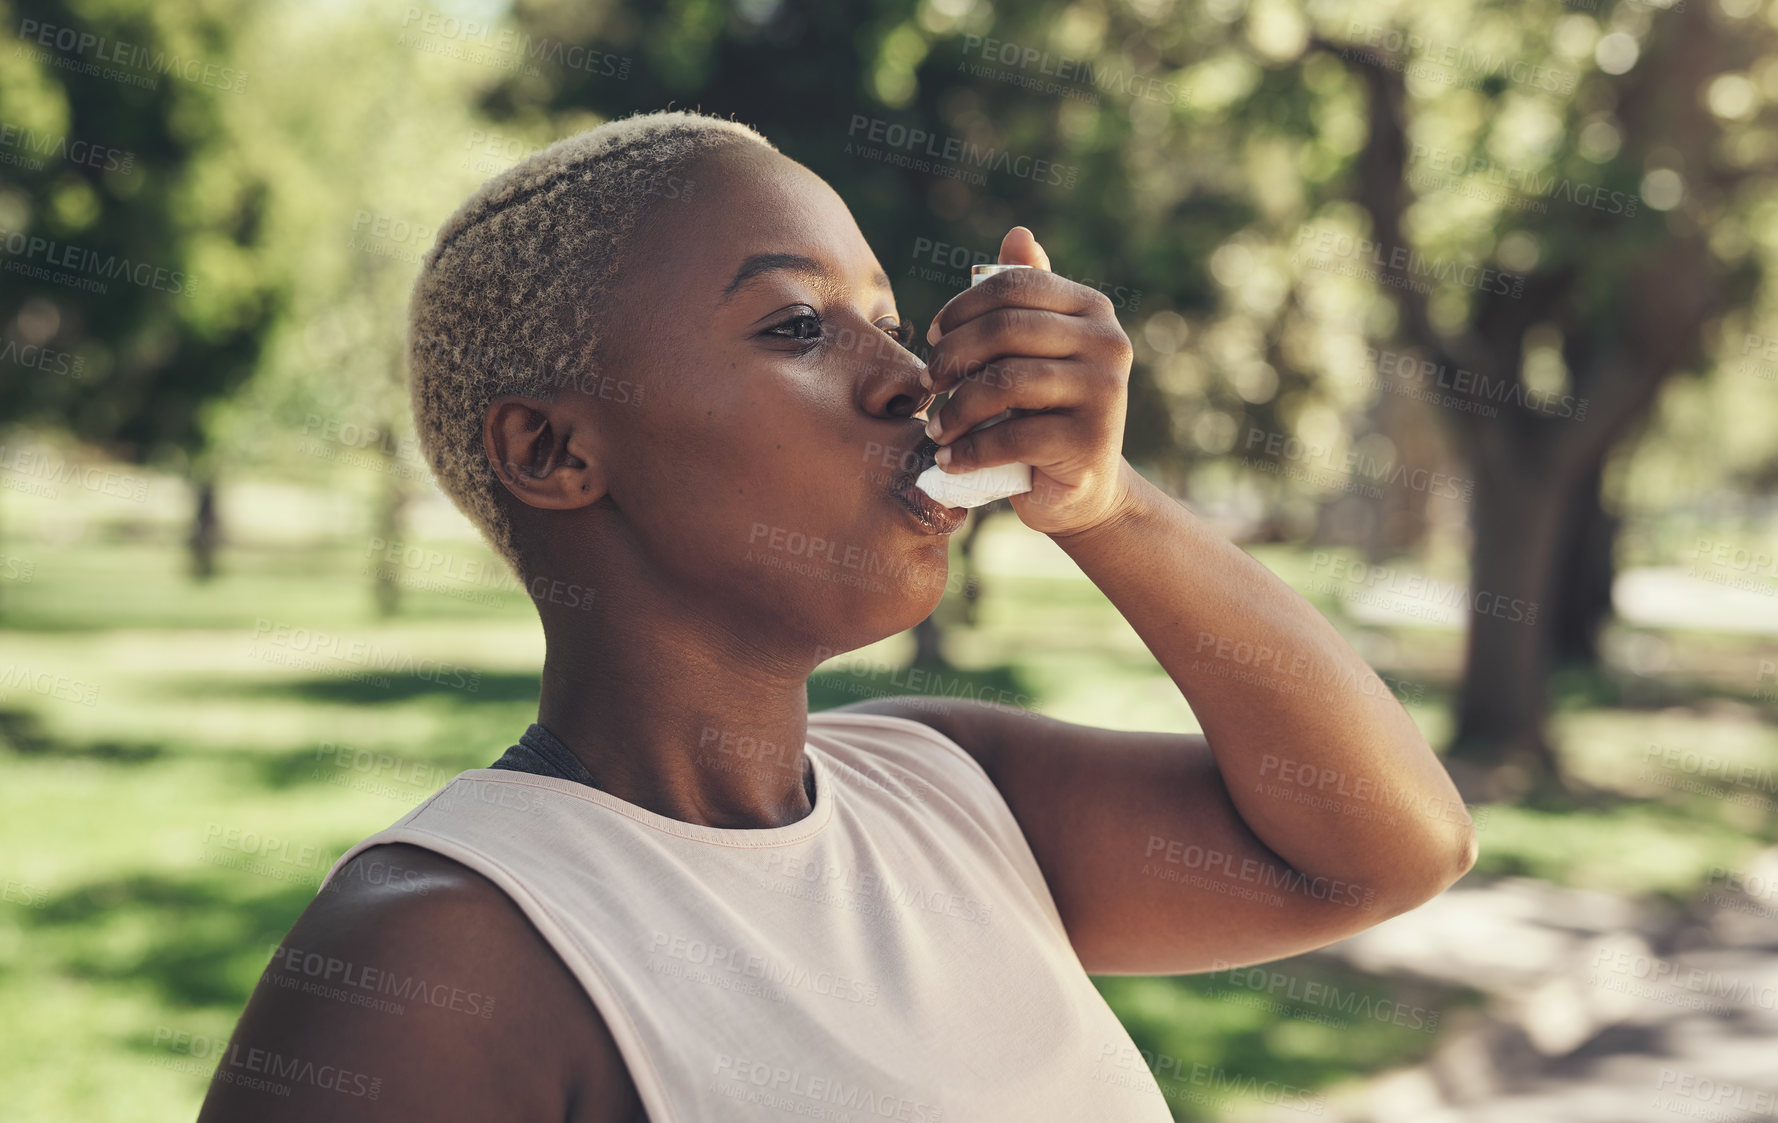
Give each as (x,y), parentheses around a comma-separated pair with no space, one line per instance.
(1003,333)
(1024,288)
(1037,440)
(1021,383)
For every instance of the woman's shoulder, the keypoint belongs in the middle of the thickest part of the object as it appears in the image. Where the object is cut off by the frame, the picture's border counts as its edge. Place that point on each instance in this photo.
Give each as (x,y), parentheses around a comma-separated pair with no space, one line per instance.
(437,987)
(924,741)
(928,732)
(940,750)
(903,722)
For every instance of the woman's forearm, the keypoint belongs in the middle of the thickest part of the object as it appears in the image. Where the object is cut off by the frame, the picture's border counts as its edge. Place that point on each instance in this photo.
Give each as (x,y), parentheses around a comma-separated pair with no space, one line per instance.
(1322,761)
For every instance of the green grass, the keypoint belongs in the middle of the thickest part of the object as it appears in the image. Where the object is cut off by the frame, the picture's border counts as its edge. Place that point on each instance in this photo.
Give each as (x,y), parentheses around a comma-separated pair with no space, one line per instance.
(1307,1027)
(123,919)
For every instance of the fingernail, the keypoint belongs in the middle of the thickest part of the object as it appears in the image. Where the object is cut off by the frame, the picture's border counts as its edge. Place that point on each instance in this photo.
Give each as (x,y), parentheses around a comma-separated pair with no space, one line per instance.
(942,456)
(925,378)
(933,428)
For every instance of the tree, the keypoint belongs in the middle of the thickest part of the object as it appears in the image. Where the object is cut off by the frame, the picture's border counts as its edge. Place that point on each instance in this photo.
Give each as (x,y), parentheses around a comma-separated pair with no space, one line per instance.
(361,174)
(132,236)
(1626,300)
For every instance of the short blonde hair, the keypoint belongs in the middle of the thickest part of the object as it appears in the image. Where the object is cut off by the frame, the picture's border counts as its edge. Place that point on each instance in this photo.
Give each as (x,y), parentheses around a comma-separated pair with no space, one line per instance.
(509,299)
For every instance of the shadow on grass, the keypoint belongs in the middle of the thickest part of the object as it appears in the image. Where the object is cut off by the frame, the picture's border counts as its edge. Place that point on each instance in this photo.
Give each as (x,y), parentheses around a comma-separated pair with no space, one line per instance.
(1003,684)
(1584,686)
(197,941)
(377,689)
(404,779)
(399,777)
(1574,686)
(21,732)
(1214,1039)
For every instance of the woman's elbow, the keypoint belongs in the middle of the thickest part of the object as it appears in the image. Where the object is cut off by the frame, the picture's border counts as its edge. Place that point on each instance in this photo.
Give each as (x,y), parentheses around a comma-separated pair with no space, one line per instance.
(1451,851)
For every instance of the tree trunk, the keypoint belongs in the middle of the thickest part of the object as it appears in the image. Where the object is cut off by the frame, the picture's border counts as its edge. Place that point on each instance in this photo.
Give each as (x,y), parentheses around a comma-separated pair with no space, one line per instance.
(972,582)
(927,651)
(386,580)
(1399,520)
(1581,600)
(206,529)
(1519,514)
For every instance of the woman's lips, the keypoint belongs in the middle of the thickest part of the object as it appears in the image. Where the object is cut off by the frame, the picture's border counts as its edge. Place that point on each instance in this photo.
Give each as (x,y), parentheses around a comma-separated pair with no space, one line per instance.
(933,515)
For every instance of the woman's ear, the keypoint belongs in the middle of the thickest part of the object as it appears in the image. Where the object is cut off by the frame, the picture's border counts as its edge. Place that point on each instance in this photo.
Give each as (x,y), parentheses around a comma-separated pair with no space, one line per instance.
(542,452)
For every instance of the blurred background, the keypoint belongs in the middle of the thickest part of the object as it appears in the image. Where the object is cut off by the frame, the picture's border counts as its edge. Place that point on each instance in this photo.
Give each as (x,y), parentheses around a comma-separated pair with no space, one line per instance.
(1459,315)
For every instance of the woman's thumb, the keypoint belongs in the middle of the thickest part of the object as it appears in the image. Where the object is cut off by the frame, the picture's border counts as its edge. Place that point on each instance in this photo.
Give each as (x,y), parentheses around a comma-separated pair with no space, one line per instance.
(1020,247)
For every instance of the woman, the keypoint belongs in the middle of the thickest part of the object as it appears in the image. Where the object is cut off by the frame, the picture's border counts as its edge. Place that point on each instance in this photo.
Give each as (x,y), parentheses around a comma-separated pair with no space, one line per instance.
(660,367)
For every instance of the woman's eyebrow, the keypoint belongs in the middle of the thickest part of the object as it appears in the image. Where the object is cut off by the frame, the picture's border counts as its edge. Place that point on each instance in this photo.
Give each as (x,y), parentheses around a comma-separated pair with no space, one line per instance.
(760,263)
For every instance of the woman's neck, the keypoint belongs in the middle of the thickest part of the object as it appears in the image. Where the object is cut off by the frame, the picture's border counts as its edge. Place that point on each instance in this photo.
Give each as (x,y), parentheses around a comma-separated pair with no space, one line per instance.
(684,721)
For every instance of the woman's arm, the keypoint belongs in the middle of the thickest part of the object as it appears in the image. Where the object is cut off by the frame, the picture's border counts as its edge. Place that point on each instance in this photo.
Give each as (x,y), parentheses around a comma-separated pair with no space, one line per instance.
(1321,760)
(1310,808)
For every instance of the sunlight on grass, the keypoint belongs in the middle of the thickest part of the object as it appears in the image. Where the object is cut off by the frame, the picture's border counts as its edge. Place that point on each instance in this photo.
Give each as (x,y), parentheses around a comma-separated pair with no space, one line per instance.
(1219,1049)
(1632,848)
(164,826)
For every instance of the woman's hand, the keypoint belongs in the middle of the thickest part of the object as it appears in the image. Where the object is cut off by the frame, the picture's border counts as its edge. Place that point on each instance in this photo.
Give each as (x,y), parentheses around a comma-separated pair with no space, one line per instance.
(1052,351)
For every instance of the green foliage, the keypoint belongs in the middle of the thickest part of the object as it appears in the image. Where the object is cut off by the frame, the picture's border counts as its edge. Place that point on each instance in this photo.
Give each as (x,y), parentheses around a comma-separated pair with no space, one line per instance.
(136,231)
(1200,141)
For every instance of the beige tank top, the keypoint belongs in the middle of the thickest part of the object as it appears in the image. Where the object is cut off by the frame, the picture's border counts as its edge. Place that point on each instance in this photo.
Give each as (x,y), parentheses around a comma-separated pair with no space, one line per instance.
(895,954)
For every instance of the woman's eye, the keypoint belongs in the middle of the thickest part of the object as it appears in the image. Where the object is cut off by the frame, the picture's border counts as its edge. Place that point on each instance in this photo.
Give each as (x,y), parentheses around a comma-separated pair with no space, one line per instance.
(901,333)
(804,328)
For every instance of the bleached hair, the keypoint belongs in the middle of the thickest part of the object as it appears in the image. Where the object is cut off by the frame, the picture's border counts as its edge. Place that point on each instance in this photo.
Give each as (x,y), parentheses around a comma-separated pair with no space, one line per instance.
(510,297)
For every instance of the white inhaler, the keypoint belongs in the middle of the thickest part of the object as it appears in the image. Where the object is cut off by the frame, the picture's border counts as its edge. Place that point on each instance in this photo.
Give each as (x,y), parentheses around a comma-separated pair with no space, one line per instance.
(983,485)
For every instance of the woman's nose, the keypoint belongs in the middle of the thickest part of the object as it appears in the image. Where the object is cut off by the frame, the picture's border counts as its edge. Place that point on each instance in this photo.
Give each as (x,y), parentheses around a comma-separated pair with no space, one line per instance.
(895,389)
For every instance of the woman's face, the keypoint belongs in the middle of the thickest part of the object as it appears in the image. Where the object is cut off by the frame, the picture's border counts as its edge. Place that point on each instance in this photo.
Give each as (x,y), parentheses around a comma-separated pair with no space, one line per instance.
(765,471)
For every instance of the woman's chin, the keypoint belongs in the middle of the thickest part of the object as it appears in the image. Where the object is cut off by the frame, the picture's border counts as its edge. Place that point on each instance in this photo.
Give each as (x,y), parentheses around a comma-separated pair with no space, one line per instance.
(917,603)
(889,610)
